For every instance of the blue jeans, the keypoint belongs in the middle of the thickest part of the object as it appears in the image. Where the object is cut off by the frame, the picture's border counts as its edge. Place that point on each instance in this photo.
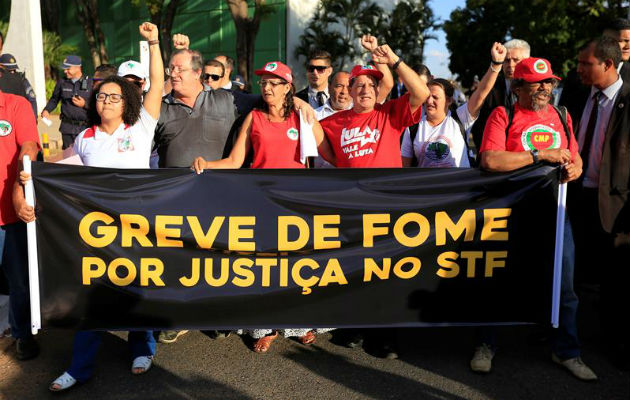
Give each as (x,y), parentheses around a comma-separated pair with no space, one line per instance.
(86,344)
(14,261)
(564,339)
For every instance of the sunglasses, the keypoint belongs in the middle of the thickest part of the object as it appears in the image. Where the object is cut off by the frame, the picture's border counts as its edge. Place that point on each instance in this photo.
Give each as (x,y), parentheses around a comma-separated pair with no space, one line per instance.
(319,68)
(215,77)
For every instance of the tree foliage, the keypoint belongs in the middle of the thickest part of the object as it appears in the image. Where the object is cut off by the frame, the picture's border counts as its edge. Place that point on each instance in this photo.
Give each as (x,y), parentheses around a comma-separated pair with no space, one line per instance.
(162,14)
(555,29)
(87,12)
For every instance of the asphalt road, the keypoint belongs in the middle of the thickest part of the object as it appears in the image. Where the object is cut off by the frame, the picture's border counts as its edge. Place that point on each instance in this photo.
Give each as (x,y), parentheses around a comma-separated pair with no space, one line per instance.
(433,365)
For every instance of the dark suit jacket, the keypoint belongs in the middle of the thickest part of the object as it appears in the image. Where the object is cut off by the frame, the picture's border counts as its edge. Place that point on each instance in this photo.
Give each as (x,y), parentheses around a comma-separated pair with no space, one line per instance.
(614,173)
(397,92)
(495,98)
(303,94)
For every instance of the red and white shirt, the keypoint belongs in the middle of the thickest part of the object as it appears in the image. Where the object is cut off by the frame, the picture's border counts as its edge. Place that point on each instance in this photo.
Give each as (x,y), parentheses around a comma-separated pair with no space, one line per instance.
(127,147)
(372,139)
(529,130)
(17,126)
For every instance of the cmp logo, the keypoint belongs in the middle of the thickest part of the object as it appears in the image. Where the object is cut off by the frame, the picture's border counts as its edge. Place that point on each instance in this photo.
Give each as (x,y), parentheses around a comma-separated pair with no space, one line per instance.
(293,134)
(5,128)
(271,67)
(540,137)
(541,67)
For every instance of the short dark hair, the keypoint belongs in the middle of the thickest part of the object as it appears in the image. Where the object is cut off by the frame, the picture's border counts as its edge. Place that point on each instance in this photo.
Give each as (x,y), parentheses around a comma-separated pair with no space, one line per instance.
(319,55)
(619,24)
(132,101)
(604,48)
(196,59)
(215,63)
(422,69)
(229,62)
(106,70)
(448,88)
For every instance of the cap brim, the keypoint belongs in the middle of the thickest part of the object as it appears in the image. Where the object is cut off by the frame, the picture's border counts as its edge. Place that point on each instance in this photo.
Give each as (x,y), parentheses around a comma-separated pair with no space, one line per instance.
(372,72)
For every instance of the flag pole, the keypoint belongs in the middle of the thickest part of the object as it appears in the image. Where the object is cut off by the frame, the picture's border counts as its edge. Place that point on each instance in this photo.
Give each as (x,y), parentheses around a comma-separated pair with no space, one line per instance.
(557,261)
(33,268)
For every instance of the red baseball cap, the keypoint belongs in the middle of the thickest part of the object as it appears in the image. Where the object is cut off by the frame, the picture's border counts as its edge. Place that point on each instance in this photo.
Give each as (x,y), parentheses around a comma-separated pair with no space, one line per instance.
(278,69)
(366,70)
(534,69)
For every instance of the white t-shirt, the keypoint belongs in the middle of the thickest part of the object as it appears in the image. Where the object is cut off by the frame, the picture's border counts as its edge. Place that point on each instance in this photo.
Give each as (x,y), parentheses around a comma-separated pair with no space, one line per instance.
(440,146)
(127,147)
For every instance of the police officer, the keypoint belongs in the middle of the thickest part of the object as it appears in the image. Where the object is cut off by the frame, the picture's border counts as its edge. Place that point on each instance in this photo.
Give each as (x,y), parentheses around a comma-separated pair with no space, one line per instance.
(74,92)
(9,64)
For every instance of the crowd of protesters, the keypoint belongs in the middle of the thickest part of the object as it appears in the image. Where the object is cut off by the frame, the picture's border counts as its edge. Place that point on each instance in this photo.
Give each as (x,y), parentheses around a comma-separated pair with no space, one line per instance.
(200,118)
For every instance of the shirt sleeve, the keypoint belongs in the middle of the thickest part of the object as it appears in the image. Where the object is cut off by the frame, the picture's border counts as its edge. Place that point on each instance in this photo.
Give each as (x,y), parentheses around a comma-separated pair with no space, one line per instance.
(494,133)
(406,149)
(24,125)
(147,122)
(464,116)
(54,99)
(399,111)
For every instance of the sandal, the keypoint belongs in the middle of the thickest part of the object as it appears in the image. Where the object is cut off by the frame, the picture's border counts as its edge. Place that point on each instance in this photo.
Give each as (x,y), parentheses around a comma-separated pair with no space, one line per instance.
(262,345)
(64,382)
(142,364)
(307,339)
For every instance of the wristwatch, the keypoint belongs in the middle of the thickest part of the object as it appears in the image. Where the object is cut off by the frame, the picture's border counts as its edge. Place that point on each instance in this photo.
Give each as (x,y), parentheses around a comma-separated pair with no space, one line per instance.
(534,154)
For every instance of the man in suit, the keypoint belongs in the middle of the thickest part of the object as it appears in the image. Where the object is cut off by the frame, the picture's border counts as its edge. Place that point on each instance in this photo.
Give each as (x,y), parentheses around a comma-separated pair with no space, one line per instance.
(501,95)
(318,70)
(575,94)
(599,202)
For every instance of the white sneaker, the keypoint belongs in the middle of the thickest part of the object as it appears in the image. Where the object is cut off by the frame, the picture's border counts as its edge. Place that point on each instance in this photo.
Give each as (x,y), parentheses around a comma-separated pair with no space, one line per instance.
(482,359)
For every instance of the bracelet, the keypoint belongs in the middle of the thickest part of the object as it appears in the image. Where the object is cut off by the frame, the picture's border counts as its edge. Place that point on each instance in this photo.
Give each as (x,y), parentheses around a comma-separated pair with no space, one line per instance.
(396,64)
(152,42)
(495,70)
(496,62)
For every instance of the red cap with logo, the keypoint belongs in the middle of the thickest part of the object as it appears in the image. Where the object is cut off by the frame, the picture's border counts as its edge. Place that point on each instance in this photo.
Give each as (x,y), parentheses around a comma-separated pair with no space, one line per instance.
(365,70)
(534,69)
(278,69)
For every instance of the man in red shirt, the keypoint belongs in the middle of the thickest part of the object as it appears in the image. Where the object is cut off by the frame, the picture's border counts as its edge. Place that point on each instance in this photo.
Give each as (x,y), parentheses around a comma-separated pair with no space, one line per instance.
(18,137)
(535,132)
(368,135)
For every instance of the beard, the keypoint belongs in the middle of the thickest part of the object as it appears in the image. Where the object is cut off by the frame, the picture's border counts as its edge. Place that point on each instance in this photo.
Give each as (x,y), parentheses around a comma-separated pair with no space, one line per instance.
(540,100)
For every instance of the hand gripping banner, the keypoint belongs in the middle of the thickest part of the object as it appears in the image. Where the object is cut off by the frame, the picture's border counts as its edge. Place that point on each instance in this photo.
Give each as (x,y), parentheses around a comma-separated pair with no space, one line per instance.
(158,249)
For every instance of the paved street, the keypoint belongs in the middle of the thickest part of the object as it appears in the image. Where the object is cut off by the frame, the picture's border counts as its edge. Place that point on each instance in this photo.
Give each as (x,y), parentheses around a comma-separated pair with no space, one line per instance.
(433,365)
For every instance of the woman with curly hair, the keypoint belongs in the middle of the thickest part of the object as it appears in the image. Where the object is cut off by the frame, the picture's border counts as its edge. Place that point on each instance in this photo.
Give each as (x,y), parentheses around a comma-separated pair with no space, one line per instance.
(272,131)
(120,137)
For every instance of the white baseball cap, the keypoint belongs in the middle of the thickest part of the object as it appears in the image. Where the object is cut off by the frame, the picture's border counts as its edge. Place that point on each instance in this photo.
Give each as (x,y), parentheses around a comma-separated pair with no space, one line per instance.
(132,68)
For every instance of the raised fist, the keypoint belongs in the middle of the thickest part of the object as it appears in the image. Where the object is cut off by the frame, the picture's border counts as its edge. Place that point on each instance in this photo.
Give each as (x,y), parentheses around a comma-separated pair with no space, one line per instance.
(180,41)
(149,31)
(498,52)
(369,42)
(384,55)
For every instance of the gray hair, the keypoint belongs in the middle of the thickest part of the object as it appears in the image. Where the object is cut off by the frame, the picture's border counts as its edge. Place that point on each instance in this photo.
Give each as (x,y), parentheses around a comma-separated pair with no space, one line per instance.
(518,44)
(196,59)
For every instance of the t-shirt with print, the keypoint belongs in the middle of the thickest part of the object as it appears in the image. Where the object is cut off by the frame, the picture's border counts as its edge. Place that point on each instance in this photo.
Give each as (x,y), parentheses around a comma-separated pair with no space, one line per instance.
(372,139)
(442,145)
(17,126)
(275,144)
(529,130)
(127,147)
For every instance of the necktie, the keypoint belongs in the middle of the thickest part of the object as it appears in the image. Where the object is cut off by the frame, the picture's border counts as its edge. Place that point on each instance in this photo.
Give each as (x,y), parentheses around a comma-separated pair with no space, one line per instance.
(321,98)
(590,131)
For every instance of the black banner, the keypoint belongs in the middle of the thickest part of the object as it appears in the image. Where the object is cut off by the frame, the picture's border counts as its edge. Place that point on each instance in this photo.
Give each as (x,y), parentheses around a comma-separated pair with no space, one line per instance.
(288,248)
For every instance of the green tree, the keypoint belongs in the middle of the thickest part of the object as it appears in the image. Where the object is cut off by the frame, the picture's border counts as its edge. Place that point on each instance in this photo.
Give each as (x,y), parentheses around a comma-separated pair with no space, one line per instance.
(162,14)
(408,29)
(555,29)
(87,12)
(336,26)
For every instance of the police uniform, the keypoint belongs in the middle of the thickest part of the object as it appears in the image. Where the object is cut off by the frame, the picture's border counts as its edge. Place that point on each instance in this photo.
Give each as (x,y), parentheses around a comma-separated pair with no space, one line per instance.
(9,64)
(73,119)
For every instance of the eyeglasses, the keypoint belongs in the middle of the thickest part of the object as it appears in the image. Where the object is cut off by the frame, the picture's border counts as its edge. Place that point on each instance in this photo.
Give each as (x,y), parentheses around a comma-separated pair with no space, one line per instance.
(319,68)
(171,70)
(273,84)
(214,77)
(113,97)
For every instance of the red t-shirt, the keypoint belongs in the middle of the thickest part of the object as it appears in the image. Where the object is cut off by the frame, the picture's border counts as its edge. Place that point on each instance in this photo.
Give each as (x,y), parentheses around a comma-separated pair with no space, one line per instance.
(275,144)
(372,139)
(529,130)
(17,126)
